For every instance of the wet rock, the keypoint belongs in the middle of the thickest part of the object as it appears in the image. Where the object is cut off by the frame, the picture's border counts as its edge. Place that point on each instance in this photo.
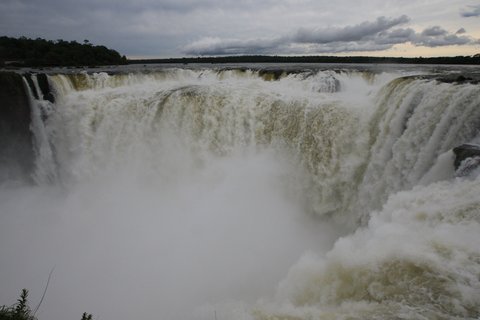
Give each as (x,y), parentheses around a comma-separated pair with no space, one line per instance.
(45,87)
(271,74)
(16,150)
(42,81)
(467,158)
(461,79)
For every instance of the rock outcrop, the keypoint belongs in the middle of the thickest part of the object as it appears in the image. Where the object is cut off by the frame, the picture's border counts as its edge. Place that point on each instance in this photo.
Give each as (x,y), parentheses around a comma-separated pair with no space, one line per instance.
(16,150)
(467,158)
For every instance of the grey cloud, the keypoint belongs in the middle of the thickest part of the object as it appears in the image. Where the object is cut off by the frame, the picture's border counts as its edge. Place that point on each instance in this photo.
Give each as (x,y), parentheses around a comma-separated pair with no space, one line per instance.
(359,37)
(430,37)
(118,24)
(74,7)
(217,46)
(437,36)
(434,32)
(443,40)
(461,31)
(349,33)
(148,26)
(395,36)
(473,11)
(163,27)
(367,36)
(339,47)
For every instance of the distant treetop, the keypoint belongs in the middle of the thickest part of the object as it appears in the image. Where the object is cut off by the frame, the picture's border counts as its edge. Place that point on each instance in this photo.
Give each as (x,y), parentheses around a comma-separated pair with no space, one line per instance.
(47,53)
(466,60)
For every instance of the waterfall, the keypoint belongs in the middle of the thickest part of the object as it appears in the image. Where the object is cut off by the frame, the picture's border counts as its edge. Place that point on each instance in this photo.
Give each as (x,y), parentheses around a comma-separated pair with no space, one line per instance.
(45,171)
(356,154)
(198,190)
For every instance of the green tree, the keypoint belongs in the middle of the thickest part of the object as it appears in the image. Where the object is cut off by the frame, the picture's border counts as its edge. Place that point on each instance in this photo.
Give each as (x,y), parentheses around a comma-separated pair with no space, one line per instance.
(19,311)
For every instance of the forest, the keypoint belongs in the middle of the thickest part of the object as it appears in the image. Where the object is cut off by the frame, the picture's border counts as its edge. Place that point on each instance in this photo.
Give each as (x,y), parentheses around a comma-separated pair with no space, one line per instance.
(24,52)
(317,59)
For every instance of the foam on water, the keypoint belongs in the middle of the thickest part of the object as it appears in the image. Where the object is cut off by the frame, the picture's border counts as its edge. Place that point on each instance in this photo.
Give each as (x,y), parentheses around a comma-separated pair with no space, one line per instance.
(417,258)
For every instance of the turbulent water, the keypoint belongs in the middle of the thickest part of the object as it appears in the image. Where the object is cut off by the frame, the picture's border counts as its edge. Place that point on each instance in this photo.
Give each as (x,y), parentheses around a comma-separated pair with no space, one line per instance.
(247,194)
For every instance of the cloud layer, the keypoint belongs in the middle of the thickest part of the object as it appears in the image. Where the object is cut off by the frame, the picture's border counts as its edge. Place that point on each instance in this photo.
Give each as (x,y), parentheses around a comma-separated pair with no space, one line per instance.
(380,34)
(169,28)
(472,11)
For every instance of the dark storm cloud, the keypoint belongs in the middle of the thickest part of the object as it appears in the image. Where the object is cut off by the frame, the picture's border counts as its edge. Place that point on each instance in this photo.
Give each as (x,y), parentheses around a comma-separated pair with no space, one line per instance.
(472,11)
(377,35)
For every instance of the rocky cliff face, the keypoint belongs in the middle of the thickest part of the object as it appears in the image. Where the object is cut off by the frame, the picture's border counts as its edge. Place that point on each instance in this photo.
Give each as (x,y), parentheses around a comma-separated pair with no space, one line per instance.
(467,158)
(16,152)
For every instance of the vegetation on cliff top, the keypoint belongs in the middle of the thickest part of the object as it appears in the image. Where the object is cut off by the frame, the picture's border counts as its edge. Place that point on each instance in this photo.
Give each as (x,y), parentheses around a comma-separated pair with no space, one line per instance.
(24,52)
(317,59)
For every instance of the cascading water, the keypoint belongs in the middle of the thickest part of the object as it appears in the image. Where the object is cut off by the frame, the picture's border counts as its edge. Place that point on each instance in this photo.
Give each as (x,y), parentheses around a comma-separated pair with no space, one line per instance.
(41,109)
(215,113)
(185,193)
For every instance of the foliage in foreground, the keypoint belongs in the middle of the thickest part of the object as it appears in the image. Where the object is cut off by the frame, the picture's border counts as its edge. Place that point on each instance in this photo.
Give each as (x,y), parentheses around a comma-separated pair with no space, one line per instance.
(21,310)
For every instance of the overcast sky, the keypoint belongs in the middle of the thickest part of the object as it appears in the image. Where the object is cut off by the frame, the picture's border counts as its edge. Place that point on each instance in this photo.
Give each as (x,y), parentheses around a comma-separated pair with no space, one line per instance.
(174,28)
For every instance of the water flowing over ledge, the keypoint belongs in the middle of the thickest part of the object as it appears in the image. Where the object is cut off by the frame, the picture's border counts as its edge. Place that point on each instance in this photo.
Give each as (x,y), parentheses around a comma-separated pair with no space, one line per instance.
(367,154)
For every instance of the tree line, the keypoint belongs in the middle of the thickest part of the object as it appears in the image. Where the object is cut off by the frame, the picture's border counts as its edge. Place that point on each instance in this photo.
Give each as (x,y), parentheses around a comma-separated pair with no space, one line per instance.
(25,52)
(316,59)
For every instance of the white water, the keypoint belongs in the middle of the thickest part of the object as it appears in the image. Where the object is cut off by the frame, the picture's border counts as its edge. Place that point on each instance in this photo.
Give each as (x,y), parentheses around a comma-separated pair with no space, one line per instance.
(190,194)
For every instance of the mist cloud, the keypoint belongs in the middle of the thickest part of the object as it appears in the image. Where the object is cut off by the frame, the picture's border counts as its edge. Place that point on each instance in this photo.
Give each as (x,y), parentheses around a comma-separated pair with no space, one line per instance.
(380,34)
